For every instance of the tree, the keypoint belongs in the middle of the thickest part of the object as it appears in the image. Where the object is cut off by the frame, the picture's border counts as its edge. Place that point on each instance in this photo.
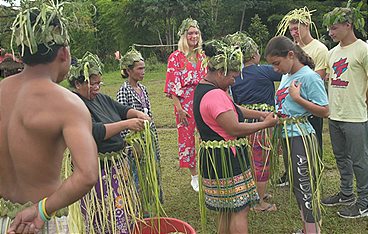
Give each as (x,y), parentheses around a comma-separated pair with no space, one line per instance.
(82,28)
(258,32)
(7,16)
(79,15)
(159,20)
(116,24)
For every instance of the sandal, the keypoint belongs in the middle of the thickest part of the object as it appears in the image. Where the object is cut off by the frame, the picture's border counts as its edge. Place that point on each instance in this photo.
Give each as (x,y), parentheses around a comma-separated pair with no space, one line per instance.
(267,196)
(269,208)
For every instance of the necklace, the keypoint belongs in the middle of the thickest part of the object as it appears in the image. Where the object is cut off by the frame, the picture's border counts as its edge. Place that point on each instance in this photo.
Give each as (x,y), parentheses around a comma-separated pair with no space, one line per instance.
(210,82)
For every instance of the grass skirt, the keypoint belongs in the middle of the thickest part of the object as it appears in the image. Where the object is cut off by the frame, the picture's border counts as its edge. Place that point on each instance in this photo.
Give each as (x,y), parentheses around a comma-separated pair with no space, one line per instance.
(226,182)
(113,203)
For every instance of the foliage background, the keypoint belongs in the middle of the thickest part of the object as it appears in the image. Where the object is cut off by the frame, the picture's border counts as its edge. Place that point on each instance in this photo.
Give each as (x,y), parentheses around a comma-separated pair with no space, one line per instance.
(117,24)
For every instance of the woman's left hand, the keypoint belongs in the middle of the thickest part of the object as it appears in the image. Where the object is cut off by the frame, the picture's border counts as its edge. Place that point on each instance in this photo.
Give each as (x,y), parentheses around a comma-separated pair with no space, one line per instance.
(143,116)
(294,90)
(183,117)
(27,221)
(263,115)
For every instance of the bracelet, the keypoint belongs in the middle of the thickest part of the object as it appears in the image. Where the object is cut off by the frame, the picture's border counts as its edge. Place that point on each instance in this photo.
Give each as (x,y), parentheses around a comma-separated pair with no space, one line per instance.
(42,210)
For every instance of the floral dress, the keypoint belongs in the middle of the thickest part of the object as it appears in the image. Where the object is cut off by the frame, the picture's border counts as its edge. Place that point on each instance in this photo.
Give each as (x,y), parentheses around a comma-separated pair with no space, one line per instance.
(181,79)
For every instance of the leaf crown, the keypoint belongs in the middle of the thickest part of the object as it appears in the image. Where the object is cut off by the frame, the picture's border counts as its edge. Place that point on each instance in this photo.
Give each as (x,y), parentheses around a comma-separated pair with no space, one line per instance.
(221,55)
(39,23)
(349,14)
(186,24)
(129,58)
(89,64)
(247,45)
(300,16)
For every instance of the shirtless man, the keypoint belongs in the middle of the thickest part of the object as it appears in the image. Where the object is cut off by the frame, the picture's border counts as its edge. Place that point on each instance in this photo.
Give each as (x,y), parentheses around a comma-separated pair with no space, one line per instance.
(38,120)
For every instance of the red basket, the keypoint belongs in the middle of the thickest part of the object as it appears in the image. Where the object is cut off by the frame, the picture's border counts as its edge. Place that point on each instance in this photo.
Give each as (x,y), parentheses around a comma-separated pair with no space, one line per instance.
(167,225)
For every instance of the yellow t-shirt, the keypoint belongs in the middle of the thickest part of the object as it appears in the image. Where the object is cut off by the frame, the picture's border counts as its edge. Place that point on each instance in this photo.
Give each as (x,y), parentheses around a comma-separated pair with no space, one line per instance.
(348,80)
(318,52)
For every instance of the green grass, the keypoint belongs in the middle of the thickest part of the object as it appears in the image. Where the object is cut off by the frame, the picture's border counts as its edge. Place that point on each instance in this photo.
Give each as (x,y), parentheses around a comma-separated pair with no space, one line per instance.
(182,202)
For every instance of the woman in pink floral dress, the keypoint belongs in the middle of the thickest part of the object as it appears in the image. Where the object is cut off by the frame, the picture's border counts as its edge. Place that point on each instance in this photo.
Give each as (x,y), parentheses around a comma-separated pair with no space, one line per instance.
(184,71)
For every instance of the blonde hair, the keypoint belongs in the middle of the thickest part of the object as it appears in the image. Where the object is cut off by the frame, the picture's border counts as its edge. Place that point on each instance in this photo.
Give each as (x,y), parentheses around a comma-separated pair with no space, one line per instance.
(183,43)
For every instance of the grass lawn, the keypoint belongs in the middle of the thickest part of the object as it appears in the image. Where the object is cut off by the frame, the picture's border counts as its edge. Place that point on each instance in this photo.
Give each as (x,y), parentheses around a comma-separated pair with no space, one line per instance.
(182,202)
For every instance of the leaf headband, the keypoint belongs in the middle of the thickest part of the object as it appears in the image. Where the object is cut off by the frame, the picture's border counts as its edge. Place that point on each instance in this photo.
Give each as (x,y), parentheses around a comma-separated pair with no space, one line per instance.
(301,16)
(347,14)
(186,24)
(89,65)
(129,58)
(221,55)
(246,44)
(47,28)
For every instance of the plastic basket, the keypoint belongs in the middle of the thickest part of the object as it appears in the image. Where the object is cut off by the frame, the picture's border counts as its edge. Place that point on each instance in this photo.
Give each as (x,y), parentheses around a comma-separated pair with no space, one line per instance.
(167,225)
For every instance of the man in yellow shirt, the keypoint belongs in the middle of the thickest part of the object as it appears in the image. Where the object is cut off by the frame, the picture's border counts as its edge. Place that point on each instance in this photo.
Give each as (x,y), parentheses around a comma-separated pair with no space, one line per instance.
(348,80)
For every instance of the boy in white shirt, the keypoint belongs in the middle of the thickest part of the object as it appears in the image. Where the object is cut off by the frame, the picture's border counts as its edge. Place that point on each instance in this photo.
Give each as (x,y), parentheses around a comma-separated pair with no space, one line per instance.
(348,80)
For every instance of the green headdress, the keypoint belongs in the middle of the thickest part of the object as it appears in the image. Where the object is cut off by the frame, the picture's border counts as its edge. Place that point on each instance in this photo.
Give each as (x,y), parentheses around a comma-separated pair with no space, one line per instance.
(89,65)
(347,14)
(221,55)
(186,24)
(246,44)
(42,24)
(302,16)
(129,58)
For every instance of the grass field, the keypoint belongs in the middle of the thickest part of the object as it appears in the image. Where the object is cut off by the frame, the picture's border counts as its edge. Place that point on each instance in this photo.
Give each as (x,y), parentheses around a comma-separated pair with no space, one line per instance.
(182,202)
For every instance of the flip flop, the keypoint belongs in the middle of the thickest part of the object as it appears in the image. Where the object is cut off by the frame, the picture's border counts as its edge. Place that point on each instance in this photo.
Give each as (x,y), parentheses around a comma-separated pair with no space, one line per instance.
(267,196)
(269,208)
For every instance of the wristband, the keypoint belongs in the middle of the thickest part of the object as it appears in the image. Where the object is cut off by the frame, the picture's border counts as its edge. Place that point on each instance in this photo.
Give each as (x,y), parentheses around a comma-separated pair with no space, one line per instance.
(42,210)
(43,217)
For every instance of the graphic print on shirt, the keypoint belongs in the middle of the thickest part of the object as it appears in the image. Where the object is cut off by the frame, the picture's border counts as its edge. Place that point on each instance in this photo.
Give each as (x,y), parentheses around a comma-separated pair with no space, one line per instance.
(280,99)
(339,68)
